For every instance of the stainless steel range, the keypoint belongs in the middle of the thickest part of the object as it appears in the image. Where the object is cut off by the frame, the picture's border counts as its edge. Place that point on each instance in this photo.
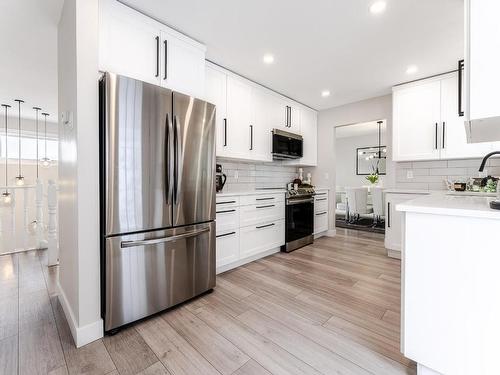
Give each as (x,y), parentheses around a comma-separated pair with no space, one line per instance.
(299,219)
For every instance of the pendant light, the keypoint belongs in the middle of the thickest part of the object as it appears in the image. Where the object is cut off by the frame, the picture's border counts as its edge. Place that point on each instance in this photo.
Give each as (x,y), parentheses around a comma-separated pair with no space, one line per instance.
(6,197)
(36,122)
(19,177)
(45,160)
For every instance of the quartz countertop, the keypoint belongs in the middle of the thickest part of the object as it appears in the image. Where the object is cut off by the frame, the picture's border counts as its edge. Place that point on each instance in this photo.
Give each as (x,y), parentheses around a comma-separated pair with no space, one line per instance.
(451,205)
(250,192)
(408,191)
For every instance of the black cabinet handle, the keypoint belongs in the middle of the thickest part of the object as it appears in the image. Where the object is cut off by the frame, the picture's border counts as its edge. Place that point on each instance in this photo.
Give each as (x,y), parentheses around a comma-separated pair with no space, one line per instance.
(460,84)
(225,234)
(251,137)
(165,44)
(436,137)
(265,226)
(157,56)
(225,132)
(321,213)
(320,199)
(268,206)
(388,214)
(286,116)
(290,117)
(224,212)
(444,134)
(228,202)
(264,199)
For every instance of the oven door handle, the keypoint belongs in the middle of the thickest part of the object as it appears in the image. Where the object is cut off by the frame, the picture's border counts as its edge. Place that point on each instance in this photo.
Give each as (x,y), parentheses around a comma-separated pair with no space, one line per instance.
(299,201)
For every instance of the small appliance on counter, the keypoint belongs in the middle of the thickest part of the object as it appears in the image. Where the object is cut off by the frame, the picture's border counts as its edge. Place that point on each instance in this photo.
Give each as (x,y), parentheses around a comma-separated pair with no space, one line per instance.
(220,178)
(299,217)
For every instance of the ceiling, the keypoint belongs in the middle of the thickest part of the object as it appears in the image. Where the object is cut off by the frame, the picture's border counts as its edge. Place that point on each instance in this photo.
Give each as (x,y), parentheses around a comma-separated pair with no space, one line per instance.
(28,68)
(322,44)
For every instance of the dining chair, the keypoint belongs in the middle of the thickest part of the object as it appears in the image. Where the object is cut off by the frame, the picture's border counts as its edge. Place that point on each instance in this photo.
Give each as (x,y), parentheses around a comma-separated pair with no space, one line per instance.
(378,201)
(357,201)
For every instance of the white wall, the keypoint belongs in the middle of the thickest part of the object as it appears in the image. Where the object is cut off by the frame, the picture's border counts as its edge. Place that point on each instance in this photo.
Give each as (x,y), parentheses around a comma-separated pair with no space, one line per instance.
(345,156)
(363,111)
(79,274)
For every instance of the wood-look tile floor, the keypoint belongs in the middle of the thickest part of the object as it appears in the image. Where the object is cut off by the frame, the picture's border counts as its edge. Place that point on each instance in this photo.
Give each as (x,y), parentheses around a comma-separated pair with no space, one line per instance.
(329,308)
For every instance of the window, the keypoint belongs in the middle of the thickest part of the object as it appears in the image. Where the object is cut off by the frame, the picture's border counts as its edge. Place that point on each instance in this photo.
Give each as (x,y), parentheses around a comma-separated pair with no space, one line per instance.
(28,148)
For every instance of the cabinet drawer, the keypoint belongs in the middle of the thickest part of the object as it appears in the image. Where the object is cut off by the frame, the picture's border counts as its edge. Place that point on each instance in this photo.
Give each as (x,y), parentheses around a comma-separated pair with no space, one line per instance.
(321,203)
(262,199)
(261,213)
(227,218)
(227,247)
(256,239)
(320,221)
(224,202)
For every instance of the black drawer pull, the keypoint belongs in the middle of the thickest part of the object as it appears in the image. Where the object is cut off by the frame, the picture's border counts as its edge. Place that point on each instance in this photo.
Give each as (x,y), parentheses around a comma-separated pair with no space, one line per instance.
(225,234)
(320,194)
(264,199)
(268,206)
(223,212)
(265,226)
(228,202)
(321,199)
(321,213)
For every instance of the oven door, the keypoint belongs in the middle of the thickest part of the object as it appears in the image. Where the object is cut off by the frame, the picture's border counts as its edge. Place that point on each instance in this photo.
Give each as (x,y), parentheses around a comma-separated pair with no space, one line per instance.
(286,145)
(299,219)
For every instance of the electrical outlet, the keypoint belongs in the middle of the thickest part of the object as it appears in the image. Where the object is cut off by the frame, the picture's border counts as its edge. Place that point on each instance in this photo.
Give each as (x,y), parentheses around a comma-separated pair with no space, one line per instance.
(236,175)
(409,174)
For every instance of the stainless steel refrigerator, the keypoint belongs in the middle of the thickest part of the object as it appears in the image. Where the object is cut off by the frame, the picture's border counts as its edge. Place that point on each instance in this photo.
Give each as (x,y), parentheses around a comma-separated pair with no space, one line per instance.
(157,152)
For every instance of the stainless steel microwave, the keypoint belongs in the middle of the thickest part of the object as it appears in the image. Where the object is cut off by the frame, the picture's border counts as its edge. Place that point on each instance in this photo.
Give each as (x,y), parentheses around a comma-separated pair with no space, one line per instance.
(286,145)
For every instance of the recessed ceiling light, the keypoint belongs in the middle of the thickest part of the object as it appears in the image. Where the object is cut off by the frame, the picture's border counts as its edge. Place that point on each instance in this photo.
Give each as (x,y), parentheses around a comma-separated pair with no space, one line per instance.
(325,93)
(378,7)
(412,69)
(268,59)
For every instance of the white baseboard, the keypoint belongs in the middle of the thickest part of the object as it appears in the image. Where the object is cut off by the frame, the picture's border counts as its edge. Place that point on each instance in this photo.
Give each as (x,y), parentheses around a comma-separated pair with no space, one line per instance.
(393,254)
(249,259)
(81,335)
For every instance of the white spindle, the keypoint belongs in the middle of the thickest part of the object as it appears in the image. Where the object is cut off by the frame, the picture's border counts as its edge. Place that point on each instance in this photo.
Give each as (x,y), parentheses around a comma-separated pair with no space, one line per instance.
(53,252)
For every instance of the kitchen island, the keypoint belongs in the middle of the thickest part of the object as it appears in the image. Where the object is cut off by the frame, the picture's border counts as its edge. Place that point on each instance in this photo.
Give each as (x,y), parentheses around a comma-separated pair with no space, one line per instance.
(451,284)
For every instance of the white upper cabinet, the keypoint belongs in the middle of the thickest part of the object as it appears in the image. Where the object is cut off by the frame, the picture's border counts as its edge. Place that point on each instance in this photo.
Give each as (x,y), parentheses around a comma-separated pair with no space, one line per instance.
(482,56)
(216,93)
(139,47)
(247,113)
(309,130)
(427,124)
(416,117)
(454,138)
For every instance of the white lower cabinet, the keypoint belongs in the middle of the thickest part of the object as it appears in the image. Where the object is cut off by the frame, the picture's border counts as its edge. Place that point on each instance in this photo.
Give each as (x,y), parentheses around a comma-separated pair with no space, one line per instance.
(321,212)
(259,238)
(394,222)
(248,227)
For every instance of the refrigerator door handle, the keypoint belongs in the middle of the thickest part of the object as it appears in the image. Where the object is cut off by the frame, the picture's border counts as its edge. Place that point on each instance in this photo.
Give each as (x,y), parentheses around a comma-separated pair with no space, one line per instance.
(168,157)
(176,159)
(154,241)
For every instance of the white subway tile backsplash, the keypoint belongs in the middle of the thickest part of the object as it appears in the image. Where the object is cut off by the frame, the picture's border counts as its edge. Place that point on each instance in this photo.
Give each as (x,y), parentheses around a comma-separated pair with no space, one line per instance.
(256,175)
(430,164)
(448,171)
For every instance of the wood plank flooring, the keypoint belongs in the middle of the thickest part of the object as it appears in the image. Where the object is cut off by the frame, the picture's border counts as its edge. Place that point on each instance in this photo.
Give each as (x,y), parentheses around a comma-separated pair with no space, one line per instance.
(329,308)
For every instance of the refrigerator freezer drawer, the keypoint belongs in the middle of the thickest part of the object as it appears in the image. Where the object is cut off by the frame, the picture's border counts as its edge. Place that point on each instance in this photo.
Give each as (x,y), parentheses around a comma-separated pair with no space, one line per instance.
(149,272)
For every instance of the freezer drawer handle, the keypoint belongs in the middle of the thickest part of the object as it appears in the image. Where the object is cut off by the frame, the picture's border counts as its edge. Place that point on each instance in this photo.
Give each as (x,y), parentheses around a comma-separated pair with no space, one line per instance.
(155,241)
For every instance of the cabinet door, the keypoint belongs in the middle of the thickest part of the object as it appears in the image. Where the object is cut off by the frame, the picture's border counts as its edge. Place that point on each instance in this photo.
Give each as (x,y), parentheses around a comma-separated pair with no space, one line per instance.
(278,109)
(260,132)
(482,57)
(294,118)
(416,118)
(239,117)
(183,66)
(128,44)
(393,221)
(216,93)
(454,139)
(227,247)
(257,239)
(320,222)
(309,130)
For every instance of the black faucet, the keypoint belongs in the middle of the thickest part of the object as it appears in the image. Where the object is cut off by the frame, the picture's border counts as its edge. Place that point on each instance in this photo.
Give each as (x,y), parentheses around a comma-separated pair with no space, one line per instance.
(483,163)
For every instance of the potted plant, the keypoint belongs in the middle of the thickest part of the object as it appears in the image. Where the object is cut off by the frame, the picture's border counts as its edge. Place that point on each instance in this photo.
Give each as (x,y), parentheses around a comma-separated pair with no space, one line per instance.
(373,177)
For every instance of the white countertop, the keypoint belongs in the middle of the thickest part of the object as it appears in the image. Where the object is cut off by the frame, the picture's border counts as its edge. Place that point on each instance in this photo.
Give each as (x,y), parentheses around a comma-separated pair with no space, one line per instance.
(408,191)
(251,192)
(451,205)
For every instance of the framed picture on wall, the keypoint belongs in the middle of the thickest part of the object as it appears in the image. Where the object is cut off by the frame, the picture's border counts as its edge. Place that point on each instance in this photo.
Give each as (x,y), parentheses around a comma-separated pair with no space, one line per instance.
(371,160)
